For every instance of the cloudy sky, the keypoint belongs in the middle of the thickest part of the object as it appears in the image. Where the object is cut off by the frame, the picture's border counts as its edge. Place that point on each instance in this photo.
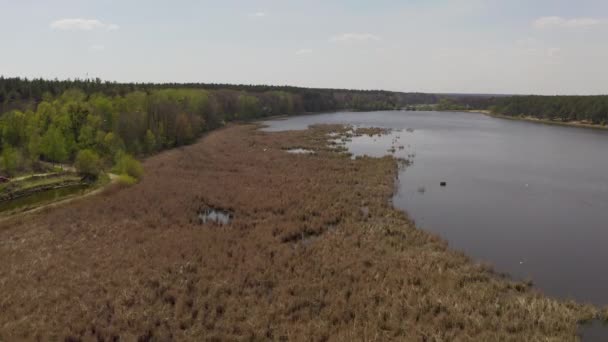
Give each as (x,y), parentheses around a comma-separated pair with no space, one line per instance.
(472,46)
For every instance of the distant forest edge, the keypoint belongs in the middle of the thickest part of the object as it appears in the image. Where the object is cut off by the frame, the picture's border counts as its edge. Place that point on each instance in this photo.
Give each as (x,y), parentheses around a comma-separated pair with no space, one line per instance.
(585,109)
(56,120)
(22,93)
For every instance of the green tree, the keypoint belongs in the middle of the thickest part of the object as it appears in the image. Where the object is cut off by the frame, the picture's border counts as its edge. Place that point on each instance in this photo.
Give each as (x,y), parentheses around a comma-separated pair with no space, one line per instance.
(54,145)
(10,161)
(34,147)
(127,165)
(86,137)
(88,163)
(13,125)
(248,107)
(113,143)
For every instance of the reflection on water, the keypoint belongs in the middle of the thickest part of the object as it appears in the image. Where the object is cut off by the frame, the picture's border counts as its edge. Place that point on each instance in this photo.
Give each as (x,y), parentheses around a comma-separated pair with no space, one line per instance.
(300,151)
(531,199)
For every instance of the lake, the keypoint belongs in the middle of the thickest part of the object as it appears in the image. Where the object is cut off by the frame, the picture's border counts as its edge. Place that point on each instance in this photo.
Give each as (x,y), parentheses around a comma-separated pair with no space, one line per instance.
(530,199)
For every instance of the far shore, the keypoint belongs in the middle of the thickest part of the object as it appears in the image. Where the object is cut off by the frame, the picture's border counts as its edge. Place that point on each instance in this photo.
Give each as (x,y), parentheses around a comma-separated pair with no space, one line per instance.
(537,120)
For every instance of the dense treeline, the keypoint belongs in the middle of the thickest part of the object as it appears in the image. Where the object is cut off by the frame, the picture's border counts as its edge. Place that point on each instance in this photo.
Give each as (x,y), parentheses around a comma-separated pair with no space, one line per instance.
(23,93)
(89,120)
(592,109)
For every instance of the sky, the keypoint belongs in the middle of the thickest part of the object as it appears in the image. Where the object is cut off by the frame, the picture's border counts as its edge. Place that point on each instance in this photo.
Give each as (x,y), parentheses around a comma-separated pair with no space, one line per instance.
(439,46)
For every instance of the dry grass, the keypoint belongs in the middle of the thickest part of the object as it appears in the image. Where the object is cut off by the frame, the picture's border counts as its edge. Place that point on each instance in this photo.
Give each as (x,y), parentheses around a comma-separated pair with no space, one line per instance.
(315,252)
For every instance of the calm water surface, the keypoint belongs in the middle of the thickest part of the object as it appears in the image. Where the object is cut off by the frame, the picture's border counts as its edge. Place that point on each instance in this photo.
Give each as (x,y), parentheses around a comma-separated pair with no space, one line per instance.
(530,199)
(43,197)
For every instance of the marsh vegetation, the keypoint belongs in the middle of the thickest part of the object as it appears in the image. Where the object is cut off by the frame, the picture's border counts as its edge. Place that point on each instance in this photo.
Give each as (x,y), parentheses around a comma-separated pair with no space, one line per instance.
(301,257)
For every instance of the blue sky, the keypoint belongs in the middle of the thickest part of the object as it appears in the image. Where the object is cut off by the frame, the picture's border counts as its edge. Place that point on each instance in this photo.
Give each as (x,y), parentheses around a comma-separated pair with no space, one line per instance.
(475,46)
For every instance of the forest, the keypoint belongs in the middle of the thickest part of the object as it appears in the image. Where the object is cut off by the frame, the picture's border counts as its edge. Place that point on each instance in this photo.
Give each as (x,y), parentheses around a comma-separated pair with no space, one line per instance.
(589,109)
(92,121)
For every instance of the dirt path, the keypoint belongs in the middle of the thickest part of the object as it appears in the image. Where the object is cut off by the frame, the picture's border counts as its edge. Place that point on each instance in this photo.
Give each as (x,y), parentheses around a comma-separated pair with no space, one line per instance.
(314,252)
(20,178)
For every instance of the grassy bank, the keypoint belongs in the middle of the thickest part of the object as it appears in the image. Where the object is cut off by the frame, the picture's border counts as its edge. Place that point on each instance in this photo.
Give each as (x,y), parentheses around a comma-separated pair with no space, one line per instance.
(314,251)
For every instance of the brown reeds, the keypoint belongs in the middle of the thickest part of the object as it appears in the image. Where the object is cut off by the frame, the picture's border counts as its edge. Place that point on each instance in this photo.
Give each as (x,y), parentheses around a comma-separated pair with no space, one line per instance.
(314,252)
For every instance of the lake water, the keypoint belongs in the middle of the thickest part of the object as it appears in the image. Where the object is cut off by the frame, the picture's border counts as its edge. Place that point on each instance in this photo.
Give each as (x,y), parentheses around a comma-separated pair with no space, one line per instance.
(530,199)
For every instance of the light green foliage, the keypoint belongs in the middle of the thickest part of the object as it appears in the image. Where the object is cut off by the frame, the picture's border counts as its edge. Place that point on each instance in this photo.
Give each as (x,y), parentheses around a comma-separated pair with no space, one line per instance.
(73,95)
(449,104)
(13,128)
(94,121)
(126,180)
(112,143)
(34,147)
(127,165)
(86,138)
(248,107)
(103,108)
(135,102)
(136,122)
(10,160)
(53,145)
(88,163)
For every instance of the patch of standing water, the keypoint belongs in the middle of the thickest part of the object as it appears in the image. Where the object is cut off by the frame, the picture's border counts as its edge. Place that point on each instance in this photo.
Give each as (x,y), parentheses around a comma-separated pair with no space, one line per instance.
(217,216)
(595,331)
(300,151)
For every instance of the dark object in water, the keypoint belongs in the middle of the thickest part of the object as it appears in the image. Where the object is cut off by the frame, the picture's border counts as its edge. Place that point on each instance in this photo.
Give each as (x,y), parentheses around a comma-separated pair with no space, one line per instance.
(4,179)
(443,183)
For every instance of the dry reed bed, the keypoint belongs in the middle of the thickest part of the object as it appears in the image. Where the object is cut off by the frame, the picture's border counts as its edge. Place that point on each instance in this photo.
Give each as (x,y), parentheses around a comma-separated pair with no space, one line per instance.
(315,252)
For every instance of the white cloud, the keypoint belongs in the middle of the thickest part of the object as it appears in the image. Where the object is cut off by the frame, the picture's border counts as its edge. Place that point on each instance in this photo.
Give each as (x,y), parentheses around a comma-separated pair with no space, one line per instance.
(96,48)
(354,37)
(82,25)
(257,14)
(304,52)
(559,22)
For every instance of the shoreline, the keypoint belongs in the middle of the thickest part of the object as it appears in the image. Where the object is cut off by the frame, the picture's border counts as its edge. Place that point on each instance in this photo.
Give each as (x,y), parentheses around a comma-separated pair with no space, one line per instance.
(315,249)
(540,121)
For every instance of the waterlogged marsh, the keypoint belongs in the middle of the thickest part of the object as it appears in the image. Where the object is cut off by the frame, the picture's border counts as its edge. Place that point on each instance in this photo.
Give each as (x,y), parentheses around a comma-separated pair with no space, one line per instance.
(530,199)
(314,242)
